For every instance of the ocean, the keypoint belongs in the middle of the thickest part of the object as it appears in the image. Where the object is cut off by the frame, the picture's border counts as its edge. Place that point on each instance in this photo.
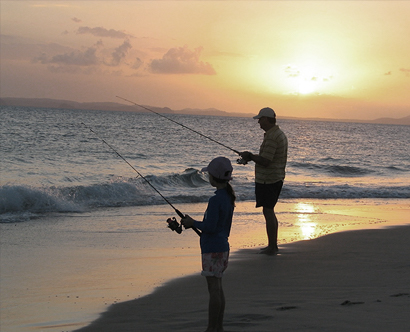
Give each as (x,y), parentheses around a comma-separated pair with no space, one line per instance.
(81,229)
(52,162)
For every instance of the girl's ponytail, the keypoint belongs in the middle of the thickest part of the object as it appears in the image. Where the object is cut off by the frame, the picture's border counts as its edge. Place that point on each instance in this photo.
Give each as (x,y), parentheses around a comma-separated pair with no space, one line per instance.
(231,193)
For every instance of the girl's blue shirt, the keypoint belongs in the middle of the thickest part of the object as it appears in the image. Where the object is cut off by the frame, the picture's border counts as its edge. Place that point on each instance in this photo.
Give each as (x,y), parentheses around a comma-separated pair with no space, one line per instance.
(217,222)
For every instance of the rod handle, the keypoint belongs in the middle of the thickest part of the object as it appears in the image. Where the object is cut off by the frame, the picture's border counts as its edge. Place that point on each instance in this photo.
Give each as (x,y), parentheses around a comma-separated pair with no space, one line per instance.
(179,213)
(197,231)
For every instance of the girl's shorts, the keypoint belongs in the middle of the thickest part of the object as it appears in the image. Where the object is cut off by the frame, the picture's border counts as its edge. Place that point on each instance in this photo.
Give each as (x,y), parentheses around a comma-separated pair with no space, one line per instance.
(214,264)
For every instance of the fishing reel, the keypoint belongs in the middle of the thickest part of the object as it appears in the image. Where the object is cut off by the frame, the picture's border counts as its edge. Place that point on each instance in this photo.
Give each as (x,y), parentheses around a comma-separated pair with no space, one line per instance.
(241,161)
(174,225)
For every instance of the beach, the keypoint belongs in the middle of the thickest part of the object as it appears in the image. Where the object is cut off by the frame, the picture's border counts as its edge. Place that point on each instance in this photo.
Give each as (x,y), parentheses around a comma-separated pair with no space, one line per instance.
(349,281)
(343,266)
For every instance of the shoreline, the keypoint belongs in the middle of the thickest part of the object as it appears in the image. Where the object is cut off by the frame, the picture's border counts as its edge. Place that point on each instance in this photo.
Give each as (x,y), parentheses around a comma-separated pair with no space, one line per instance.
(60,274)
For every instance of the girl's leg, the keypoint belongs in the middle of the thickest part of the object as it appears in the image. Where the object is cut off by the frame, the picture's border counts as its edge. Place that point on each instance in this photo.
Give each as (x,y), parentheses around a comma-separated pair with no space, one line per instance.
(216,304)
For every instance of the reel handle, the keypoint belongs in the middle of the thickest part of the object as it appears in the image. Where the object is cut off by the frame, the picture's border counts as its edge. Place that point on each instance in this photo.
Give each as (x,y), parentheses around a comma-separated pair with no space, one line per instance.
(174,225)
(241,161)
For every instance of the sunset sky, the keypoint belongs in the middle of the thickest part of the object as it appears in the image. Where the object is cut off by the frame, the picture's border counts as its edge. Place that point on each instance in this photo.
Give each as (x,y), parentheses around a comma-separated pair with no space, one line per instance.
(331,59)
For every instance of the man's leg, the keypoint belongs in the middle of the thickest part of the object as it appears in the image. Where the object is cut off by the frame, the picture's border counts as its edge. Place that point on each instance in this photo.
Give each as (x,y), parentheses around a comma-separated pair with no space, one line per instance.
(216,304)
(271,230)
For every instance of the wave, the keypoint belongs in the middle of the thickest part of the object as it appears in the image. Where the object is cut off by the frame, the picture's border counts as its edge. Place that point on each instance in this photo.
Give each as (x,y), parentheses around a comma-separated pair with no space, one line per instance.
(19,203)
(189,178)
(333,170)
(28,202)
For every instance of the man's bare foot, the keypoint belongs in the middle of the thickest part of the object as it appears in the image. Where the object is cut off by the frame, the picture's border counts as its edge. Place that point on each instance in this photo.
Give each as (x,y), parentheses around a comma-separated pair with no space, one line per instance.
(269,251)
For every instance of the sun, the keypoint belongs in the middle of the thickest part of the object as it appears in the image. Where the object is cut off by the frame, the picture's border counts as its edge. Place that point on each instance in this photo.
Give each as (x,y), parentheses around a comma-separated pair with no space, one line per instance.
(306,86)
(306,79)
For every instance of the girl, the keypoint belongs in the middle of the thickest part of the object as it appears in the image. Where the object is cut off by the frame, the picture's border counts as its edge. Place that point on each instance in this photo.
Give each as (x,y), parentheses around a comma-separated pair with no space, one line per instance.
(215,227)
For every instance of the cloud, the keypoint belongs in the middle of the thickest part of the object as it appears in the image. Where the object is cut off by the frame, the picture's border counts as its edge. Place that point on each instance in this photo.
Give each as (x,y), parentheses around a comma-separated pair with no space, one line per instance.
(76,20)
(102,32)
(182,61)
(87,57)
(90,60)
(388,73)
(137,63)
(120,53)
(292,71)
(405,71)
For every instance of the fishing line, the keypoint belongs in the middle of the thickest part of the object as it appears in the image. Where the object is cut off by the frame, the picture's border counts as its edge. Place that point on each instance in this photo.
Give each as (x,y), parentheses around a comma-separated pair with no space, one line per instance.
(240,161)
(179,213)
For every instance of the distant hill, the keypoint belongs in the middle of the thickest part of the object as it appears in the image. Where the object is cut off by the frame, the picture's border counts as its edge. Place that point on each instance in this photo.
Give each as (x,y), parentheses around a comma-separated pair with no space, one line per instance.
(401,121)
(111,106)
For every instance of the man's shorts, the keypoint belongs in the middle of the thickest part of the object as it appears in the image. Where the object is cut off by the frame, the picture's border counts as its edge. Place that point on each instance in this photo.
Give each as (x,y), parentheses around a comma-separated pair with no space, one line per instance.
(267,194)
(214,264)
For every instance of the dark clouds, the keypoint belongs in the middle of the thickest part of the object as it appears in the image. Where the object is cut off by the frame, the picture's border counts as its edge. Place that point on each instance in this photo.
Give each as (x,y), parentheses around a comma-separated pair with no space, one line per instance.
(137,63)
(120,53)
(77,58)
(178,60)
(102,32)
(181,60)
(88,57)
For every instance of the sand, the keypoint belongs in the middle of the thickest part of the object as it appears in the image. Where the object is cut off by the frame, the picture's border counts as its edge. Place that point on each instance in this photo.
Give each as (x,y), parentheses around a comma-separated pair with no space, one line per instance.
(343,266)
(348,281)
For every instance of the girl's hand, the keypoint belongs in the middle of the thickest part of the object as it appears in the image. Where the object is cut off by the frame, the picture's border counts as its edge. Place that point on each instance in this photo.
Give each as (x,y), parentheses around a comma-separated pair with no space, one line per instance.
(187,221)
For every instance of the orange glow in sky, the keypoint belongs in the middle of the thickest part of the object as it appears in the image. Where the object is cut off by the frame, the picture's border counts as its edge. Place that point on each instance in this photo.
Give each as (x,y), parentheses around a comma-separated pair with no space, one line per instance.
(331,59)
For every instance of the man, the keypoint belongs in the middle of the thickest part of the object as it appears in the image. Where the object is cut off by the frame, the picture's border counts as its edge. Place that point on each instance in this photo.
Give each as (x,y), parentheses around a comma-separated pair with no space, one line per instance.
(270,166)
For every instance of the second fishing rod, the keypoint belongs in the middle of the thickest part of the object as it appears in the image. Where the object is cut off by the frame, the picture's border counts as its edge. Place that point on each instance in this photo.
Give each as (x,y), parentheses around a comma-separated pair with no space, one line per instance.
(239,161)
(172,222)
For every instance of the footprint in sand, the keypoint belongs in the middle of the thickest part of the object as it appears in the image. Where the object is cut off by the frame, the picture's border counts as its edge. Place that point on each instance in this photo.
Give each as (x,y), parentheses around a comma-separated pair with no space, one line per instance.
(347,302)
(400,294)
(286,308)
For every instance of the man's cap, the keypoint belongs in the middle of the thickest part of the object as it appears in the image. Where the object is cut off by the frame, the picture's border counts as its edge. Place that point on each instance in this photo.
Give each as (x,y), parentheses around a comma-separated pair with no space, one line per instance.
(220,168)
(267,111)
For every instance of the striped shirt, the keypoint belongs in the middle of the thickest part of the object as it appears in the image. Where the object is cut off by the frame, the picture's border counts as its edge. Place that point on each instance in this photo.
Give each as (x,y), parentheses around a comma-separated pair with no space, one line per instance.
(274,148)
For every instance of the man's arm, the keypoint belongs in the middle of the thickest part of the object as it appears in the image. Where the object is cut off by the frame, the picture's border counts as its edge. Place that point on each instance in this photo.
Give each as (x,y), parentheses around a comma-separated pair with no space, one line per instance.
(257,159)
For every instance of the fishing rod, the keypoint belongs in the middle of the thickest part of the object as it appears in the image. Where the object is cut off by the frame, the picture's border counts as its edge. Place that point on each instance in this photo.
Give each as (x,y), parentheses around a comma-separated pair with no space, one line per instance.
(239,161)
(172,222)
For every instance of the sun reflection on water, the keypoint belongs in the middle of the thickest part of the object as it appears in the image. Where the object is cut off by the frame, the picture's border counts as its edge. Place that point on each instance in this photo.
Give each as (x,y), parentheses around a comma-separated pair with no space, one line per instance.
(307,226)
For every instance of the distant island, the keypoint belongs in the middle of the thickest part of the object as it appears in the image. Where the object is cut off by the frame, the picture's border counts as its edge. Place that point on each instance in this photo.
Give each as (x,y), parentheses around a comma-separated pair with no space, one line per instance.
(111,106)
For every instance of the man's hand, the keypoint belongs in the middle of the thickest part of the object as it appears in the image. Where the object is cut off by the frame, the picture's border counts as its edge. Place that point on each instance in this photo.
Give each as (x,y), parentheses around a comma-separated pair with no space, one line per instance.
(257,159)
(187,221)
(246,155)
